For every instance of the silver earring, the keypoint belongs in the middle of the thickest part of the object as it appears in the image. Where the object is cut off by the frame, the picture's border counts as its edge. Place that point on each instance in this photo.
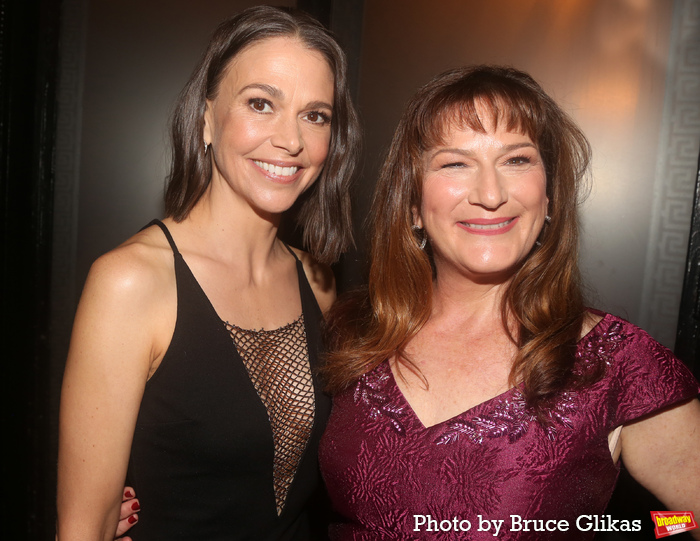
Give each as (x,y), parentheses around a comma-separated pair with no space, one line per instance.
(206,147)
(424,240)
(547,219)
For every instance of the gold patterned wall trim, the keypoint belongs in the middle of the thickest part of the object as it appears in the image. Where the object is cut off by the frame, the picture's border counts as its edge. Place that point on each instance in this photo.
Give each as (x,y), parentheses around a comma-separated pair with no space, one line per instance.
(674,184)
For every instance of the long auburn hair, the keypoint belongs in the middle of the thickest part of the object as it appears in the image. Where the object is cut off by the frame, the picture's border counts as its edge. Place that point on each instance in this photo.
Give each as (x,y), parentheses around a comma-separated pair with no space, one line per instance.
(324,214)
(543,299)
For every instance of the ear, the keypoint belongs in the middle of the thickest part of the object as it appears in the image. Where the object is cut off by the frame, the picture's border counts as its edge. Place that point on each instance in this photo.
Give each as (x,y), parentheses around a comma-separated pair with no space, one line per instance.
(207,134)
(416,217)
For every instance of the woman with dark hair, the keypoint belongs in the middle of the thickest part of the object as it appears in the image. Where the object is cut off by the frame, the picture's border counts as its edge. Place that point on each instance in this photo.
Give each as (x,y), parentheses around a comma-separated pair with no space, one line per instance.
(192,367)
(473,389)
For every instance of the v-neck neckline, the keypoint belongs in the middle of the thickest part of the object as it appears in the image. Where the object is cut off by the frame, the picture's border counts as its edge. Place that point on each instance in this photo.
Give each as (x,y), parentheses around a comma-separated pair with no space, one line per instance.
(407,405)
(241,365)
(473,411)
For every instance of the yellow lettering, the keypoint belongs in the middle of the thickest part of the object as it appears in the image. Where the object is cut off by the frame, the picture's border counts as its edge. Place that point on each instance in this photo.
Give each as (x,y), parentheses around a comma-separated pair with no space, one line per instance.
(675,519)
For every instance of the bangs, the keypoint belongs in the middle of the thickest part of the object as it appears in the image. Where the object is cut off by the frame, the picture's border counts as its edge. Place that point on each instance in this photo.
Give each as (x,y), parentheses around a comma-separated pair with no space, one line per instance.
(460,108)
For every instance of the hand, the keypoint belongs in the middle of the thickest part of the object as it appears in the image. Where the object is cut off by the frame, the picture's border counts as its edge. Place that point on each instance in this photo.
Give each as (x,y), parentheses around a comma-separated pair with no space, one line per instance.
(127,513)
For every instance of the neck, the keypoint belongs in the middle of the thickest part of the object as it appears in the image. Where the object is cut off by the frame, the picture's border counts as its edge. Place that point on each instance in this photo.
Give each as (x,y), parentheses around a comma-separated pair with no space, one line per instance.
(230,228)
(464,301)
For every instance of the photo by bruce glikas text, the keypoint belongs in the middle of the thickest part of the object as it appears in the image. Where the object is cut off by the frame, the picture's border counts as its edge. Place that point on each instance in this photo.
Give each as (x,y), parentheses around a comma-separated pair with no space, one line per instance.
(515,523)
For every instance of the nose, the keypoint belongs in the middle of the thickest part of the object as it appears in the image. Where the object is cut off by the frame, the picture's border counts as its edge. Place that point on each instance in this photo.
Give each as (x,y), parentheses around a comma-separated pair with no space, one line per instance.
(287,135)
(488,190)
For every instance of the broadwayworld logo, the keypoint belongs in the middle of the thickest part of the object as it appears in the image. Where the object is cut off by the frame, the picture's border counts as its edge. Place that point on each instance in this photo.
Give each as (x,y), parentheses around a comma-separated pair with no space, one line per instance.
(672,522)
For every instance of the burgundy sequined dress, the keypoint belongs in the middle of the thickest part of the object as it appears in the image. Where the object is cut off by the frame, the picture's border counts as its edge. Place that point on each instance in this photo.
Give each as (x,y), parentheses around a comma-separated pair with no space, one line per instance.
(389,477)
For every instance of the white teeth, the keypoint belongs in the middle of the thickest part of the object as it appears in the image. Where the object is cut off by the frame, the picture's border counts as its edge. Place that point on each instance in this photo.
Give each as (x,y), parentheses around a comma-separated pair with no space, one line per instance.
(488,226)
(275,169)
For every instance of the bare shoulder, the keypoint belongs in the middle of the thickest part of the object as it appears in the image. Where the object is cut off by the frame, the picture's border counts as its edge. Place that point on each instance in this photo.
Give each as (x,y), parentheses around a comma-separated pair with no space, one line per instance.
(133,284)
(320,278)
(591,319)
(127,310)
(139,267)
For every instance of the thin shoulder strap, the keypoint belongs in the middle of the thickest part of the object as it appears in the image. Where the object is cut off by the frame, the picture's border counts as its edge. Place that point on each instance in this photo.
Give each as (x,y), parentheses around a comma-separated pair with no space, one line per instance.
(166,232)
(291,251)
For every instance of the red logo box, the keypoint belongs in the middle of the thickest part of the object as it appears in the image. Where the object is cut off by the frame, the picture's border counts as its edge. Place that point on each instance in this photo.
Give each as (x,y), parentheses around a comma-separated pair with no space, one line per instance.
(672,522)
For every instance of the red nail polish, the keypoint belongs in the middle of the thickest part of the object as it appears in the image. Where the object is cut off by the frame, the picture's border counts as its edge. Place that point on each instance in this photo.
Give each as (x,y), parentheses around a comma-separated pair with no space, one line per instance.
(132,519)
(135,506)
(128,494)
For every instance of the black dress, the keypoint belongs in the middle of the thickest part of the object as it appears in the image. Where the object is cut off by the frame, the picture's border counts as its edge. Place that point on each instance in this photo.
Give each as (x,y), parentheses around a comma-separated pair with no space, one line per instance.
(202,454)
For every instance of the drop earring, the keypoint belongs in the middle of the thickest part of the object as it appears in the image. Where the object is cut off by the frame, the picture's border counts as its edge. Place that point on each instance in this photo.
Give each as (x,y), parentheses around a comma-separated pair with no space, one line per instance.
(424,240)
(547,221)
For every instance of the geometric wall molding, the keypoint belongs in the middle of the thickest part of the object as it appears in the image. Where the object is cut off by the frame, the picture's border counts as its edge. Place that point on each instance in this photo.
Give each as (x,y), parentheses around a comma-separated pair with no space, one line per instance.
(674,182)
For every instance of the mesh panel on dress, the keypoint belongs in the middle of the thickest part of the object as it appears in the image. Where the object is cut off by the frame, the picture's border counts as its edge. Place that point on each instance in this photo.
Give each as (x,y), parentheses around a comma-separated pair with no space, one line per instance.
(278,365)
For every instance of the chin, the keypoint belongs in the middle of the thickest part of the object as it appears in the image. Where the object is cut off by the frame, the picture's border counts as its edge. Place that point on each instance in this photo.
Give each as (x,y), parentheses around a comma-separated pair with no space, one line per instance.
(495,272)
(493,278)
(275,205)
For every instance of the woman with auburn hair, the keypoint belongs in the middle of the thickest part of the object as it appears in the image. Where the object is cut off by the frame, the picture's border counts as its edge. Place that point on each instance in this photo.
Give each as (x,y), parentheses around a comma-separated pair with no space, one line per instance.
(473,389)
(193,360)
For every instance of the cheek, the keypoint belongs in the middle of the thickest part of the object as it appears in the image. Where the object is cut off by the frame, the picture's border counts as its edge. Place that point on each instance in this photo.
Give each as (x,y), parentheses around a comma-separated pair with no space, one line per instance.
(318,145)
(429,210)
(440,197)
(533,194)
(238,133)
(247,135)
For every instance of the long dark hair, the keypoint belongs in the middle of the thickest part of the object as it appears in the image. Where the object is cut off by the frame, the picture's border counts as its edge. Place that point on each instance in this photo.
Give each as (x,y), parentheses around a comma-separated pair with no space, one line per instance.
(544,297)
(324,215)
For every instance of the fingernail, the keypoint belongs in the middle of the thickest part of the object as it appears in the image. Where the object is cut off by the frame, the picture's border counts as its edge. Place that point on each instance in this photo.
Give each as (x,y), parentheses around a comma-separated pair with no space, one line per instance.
(132,519)
(128,494)
(135,506)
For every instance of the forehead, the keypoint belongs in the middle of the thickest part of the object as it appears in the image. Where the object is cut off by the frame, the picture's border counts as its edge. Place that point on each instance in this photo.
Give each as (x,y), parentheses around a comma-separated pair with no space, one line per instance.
(281,55)
(478,116)
(458,132)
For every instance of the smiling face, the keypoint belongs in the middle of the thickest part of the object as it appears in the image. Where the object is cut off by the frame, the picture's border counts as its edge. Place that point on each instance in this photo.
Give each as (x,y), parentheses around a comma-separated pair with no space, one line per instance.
(484,200)
(269,124)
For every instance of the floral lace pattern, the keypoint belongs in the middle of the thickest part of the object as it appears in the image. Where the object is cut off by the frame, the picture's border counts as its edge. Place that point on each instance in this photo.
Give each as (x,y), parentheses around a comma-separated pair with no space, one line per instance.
(383,467)
(599,347)
(371,391)
(510,417)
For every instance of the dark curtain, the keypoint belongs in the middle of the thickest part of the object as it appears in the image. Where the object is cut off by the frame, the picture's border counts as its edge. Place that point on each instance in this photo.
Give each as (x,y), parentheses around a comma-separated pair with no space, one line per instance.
(28,59)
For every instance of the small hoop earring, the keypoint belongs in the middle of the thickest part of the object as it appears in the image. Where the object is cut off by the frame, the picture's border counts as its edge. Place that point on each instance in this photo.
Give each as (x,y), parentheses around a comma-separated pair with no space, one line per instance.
(206,148)
(547,220)
(424,240)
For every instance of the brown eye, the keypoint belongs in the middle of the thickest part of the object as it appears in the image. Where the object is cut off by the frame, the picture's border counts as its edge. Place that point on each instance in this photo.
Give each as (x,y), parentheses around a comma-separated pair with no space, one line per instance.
(519,160)
(317,117)
(260,106)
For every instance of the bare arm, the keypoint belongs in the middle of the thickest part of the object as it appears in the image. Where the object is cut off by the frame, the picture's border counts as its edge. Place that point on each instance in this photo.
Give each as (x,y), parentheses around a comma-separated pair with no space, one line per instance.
(106,371)
(662,452)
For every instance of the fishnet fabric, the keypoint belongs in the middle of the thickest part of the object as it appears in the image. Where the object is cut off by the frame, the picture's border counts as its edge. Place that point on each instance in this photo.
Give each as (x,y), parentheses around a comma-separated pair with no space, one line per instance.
(278,365)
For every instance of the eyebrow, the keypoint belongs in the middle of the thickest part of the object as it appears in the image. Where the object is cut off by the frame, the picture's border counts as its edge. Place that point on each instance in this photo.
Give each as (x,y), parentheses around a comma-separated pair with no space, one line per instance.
(268,89)
(320,105)
(278,94)
(463,152)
